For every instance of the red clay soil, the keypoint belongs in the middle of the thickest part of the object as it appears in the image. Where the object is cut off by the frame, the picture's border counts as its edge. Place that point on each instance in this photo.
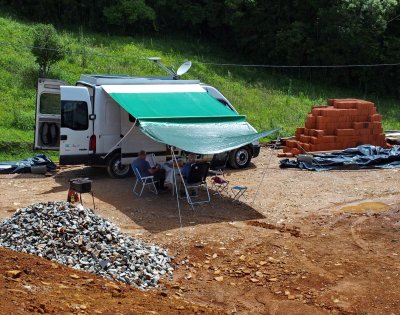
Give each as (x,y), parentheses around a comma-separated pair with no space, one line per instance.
(310,243)
(30,284)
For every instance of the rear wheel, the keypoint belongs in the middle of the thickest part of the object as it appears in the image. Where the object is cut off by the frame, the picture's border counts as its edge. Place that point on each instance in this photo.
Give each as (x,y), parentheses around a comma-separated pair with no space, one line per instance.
(240,158)
(116,169)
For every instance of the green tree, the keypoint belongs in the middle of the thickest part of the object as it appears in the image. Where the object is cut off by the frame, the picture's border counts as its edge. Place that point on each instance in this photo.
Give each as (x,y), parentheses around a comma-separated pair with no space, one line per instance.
(125,13)
(47,48)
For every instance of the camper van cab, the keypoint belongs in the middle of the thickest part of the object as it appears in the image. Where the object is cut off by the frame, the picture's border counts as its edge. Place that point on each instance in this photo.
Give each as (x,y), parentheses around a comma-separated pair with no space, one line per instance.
(86,125)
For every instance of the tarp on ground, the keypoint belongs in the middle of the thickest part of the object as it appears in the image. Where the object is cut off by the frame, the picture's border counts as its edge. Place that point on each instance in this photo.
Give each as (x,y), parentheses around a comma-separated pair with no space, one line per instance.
(185,116)
(361,157)
(25,166)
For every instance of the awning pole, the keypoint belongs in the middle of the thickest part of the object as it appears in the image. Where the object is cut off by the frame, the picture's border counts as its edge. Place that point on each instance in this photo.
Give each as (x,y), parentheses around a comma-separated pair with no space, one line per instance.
(265,168)
(175,162)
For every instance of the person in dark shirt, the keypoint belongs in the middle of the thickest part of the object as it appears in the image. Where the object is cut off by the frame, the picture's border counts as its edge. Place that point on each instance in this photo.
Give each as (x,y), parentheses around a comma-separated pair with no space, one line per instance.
(188,165)
(146,170)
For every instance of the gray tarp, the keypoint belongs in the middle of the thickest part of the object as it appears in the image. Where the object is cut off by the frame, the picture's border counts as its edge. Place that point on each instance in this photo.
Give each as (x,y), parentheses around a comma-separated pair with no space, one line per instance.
(361,157)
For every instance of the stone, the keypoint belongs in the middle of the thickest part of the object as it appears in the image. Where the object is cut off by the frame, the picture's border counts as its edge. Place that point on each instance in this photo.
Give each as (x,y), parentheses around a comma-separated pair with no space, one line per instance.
(219,279)
(76,237)
(74,276)
(13,273)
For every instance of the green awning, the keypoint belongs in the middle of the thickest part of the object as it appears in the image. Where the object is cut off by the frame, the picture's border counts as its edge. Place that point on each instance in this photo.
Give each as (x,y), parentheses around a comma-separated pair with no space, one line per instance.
(185,116)
(167,100)
(203,138)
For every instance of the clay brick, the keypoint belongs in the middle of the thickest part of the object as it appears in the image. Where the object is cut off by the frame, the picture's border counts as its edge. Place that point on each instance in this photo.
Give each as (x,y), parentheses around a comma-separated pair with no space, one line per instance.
(314,140)
(305,139)
(310,122)
(344,105)
(296,151)
(364,105)
(317,133)
(306,147)
(281,154)
(345,132)
(361,125)
(329,139)
(376,118)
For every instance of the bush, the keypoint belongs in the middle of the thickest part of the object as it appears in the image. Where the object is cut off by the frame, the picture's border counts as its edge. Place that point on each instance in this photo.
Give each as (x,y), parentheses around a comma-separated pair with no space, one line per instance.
(23,120)
(47,47)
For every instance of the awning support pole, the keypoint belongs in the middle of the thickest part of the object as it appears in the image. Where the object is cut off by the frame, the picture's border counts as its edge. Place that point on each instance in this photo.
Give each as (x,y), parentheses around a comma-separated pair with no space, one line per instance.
(266,168)
(175,162)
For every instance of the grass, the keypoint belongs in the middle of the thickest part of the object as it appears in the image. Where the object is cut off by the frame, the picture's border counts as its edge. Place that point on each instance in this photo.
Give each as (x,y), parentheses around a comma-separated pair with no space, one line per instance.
(268,99)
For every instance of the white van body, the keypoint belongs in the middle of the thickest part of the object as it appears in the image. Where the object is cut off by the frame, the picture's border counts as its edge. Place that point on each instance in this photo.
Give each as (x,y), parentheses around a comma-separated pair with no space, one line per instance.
(86,125)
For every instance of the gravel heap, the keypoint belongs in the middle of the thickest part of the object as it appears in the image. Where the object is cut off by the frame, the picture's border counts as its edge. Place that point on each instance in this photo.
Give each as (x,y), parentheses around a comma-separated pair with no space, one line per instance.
(78,238)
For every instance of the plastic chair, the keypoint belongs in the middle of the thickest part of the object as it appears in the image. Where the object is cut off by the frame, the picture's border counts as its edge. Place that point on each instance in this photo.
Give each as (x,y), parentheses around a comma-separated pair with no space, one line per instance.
(196,179)
(145,181)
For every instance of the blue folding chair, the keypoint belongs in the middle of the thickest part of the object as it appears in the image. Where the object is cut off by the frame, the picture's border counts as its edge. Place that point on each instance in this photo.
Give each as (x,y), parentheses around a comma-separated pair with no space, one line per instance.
(144,181)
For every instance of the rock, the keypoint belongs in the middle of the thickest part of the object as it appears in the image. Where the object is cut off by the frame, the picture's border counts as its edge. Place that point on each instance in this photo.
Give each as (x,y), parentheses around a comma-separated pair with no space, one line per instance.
(112,286)
(74,276)
(243,257)
(273,279)
(13,273)
(254,280)
(219,279)
(259,274)
(76,237)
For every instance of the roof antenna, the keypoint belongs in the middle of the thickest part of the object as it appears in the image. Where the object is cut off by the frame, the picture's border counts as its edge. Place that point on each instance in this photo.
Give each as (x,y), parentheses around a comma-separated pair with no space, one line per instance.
(176,75)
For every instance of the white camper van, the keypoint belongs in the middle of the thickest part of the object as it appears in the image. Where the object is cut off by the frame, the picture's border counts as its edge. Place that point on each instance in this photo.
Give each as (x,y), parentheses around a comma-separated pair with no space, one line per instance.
(86,124)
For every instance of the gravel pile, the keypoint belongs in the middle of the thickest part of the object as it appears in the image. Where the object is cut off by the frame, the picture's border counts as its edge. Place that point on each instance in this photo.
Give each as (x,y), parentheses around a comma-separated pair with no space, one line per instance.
(78,238)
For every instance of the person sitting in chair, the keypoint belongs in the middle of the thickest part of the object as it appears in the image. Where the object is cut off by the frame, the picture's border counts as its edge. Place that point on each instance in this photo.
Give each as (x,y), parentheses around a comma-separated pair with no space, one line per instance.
(191,159)
(185,170)
(145,170)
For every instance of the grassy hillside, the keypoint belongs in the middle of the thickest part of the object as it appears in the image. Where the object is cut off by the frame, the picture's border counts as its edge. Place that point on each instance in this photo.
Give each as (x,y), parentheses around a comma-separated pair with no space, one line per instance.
(268,100)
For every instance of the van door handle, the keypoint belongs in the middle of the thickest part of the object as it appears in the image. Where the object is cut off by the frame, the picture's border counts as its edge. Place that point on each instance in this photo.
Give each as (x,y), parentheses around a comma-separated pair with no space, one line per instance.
(63,137)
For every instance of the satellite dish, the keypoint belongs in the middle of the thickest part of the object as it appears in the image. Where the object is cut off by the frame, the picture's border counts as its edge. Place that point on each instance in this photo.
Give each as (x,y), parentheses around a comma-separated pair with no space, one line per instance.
(184,68)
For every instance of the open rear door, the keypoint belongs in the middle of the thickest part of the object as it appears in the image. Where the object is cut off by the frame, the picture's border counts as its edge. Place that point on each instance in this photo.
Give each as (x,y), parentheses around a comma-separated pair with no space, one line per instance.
(77,141)
(48,115)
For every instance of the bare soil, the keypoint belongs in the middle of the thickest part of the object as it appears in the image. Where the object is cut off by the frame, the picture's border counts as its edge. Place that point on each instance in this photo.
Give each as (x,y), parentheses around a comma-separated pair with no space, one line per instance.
(307,243)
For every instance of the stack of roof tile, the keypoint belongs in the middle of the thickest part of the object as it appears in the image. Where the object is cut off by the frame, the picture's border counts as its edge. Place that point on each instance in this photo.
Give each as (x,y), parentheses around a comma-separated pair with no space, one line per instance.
(344,123)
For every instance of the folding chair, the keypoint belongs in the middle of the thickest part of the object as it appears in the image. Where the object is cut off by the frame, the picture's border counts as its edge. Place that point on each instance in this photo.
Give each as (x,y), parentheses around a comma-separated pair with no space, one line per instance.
(220,185)
(145,181)
(238,191)
(217,167)
(218,164)
(196,179)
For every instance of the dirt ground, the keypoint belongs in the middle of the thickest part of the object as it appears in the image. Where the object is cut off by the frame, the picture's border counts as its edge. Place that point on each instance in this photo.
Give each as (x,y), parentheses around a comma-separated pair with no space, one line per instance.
(307,243)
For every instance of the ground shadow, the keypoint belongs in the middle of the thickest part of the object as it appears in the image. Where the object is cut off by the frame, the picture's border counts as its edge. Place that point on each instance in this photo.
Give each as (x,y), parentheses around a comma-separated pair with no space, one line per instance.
(155,213)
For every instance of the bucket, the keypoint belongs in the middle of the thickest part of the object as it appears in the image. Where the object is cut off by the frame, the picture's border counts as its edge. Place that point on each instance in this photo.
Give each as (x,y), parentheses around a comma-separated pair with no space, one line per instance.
(39,169)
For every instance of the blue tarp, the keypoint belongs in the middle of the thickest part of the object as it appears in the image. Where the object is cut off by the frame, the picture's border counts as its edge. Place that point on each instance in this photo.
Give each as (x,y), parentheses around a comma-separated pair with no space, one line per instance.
(361,157)
(24,166)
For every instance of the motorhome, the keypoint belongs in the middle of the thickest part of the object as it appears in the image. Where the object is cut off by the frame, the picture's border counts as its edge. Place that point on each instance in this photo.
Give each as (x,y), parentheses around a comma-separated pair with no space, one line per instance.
(88,126)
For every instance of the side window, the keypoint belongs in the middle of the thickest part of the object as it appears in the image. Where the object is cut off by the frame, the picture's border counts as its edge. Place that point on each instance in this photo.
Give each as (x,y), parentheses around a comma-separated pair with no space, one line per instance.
(74,115)
(49,103)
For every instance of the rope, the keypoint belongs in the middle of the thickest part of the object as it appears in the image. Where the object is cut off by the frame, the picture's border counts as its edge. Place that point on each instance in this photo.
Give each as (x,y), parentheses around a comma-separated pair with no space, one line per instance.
(300,66)
(265,168)
(123,138)
(82,52)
